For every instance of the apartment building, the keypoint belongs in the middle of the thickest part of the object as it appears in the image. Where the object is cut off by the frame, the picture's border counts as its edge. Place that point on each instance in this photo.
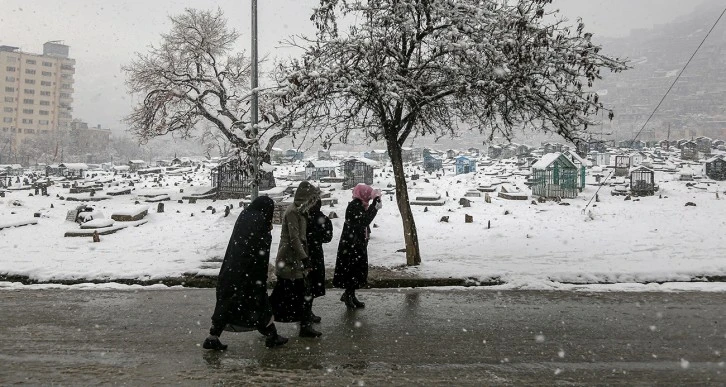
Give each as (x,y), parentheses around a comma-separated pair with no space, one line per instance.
(36,92)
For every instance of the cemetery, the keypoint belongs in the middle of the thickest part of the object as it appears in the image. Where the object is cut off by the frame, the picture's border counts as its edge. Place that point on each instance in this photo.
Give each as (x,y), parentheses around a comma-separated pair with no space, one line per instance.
(555,220)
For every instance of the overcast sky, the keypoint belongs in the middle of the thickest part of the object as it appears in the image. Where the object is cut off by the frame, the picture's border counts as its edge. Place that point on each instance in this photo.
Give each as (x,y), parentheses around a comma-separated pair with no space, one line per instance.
(104,34)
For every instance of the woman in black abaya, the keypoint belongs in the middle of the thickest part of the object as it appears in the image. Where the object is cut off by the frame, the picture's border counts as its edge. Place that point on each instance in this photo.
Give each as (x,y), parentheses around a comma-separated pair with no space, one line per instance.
(242,301)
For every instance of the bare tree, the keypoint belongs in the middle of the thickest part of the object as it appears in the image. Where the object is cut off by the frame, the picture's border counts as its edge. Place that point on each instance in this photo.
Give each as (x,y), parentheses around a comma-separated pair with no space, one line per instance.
(423,67)
(192,77)
(215,142)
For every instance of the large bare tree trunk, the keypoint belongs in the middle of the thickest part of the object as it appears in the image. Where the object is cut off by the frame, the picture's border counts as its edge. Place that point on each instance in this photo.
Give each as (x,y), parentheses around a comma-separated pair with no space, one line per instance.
(413,254)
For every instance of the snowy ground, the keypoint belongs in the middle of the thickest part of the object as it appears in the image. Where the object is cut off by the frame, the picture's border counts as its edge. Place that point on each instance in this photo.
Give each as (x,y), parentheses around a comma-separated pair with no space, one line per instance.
(527,246)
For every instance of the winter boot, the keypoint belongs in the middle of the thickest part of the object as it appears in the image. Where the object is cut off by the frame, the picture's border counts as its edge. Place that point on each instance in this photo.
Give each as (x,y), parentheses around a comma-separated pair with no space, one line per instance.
(306,330)
(315,318)
(273,339)
(212,342)
(356,302)
(346,298)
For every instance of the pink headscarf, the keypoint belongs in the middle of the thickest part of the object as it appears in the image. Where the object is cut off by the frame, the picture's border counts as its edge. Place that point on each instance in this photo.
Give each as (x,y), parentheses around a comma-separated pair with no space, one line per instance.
(363,192)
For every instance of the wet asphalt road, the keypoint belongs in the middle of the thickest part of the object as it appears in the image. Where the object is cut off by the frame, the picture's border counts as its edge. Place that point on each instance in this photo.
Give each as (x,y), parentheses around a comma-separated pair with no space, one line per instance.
(406,337)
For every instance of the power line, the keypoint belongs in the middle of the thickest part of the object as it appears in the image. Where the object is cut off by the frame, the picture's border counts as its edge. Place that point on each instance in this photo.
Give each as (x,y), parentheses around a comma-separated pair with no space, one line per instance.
(679,74)
(661,100)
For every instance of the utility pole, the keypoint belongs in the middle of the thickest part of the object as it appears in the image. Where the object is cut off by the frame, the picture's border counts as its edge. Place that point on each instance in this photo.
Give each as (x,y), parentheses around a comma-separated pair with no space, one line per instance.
(253,113)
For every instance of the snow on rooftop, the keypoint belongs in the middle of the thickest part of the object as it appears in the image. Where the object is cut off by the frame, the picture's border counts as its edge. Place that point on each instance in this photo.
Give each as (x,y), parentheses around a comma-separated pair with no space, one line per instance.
(546,160)
(323,164)
(74,166)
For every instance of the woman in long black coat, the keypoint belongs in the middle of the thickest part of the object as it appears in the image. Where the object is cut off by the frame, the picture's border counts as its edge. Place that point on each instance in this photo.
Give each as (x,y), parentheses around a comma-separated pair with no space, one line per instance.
(351,265)
(319,231)
(242,301)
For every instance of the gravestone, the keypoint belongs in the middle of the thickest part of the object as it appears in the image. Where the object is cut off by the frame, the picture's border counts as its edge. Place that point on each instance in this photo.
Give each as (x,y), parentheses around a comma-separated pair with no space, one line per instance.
(468,218)
(160,207)
(71,215)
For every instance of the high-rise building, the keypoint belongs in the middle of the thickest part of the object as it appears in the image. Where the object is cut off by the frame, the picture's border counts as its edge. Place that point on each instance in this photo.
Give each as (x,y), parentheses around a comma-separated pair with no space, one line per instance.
(36,93)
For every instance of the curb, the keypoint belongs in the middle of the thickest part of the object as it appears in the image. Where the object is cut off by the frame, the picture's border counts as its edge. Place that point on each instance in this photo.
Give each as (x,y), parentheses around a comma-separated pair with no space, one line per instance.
(205,282)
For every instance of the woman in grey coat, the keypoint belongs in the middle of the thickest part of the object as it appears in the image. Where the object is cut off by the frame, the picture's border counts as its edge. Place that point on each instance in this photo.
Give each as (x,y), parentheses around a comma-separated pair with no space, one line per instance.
(292,264)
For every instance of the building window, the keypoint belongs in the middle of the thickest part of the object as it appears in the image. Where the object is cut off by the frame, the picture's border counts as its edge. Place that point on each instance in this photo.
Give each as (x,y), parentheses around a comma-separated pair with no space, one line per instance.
(30,61)
(27,111)
(43,112)
(29,91)
(45,83)
(44,103)
(30,131)
(45,93)
(10,79)
(12,59)
(66,86)
(28,101)
(43,122)
(65,95)
(30,81)
(27,121)
(9,99)
(67,67)
(48,64)
(9,89)
(10,69)
(30,71)
(8,110)
(46,73)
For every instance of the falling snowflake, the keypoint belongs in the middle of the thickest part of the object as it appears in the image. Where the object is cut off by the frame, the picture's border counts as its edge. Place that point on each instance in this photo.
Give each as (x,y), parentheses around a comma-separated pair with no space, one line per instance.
(685,364)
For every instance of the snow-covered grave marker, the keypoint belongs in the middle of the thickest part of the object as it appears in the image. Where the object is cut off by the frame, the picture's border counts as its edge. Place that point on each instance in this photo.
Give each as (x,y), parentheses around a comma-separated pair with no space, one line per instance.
(130,214)
(473,193)
(105,230)
(157,198)
(97,223)
(429,200)
(510,192)
(18,223)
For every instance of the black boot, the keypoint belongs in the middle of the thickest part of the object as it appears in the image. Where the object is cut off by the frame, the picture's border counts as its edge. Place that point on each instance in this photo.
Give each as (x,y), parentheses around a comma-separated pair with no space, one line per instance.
(306,330)
(315,318)
(212,342)
(346,298)
(273,339)
(356,302)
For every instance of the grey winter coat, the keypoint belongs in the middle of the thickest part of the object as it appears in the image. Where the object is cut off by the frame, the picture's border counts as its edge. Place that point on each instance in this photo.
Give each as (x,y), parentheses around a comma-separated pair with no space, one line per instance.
(292,254)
